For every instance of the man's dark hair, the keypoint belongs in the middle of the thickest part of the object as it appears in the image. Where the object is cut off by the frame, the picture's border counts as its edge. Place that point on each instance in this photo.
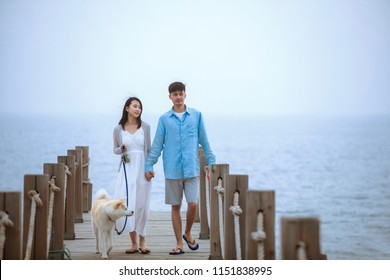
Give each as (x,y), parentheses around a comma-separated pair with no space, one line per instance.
(176,86)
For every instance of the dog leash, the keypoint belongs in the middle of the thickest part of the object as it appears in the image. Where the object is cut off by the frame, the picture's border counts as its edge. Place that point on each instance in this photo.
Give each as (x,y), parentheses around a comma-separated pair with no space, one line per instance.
(127,196)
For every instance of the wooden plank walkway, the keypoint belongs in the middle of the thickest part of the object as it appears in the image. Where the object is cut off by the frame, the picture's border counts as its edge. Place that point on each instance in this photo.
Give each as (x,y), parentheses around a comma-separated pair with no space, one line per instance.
(160,240)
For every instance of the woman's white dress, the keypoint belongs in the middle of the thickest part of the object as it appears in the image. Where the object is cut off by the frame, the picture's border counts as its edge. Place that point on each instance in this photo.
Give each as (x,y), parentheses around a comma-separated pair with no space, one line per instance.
(138,187)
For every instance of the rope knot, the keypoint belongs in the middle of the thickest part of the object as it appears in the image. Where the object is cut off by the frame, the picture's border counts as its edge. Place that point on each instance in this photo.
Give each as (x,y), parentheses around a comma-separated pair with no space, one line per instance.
(33,195)
(5,220)
(258,236)
(67,172)
(236,210)
(219,189)
(52,185)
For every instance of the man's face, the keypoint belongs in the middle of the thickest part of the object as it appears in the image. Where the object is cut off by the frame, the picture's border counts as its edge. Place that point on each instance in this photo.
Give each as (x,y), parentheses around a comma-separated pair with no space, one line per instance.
(178,97)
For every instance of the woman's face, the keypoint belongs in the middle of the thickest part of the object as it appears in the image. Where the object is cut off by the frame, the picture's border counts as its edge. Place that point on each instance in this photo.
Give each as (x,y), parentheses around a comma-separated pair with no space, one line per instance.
(134,109)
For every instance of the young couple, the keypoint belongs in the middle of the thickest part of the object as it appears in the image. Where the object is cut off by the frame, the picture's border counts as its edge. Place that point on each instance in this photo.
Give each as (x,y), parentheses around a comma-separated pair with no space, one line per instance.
(179,133)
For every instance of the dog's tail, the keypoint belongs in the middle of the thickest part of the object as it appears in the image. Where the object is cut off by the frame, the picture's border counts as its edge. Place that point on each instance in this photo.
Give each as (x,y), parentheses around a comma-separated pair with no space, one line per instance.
(101,193)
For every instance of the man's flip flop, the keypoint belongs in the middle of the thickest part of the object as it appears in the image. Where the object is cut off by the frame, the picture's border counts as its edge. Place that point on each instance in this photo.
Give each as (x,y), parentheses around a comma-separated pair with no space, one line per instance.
(177,251)
(195,246)
(131,251)
(144,251)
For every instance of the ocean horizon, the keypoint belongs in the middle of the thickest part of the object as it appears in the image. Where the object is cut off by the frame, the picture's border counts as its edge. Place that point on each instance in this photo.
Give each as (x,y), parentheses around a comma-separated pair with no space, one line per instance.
(336,168)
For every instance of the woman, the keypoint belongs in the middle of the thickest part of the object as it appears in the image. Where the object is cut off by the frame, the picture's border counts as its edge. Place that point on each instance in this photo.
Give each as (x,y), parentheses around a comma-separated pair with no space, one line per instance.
(132,142)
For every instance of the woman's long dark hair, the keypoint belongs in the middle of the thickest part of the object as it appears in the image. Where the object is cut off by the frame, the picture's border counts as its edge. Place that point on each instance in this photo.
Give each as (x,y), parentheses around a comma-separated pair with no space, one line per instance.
(124,118)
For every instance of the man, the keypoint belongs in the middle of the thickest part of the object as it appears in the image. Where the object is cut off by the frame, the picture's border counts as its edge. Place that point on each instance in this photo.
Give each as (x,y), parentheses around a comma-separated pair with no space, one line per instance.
(179,133)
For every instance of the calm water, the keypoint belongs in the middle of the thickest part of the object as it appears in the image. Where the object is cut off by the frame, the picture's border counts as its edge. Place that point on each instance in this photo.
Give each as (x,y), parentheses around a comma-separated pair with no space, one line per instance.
(335,168)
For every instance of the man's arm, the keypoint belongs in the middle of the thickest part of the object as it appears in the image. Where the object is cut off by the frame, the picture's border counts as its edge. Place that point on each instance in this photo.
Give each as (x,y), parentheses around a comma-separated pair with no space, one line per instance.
(204,142)
(157,146)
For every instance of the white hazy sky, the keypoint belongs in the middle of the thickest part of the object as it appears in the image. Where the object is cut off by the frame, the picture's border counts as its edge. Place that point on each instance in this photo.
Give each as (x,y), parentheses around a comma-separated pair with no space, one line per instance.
(236,57)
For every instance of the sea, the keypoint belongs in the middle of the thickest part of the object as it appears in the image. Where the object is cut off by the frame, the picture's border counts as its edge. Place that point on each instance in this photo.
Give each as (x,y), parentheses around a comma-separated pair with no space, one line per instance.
(335,168)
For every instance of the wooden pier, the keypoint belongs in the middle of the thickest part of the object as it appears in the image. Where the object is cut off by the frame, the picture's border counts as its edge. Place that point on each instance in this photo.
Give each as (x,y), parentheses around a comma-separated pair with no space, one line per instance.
(234,222)
(160,240)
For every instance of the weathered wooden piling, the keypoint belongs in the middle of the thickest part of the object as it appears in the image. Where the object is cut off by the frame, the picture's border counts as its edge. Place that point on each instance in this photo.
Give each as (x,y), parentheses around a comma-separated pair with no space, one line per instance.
(260,219)
(39,249)
(70,163)
(236,187)
(301,238)
(86,183)
(11,203)
(218,172)
(204,224)
(56,171)
(78,174)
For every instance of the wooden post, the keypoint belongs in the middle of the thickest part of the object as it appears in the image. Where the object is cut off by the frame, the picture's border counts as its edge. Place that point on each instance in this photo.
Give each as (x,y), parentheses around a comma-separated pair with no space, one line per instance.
(57,170)
(70,162)
(260,203)
(11,203)
(301,234)
(218,171)
(40,184)
(204,225)
(233,184)
(87,195)
(78,174)
(86,186)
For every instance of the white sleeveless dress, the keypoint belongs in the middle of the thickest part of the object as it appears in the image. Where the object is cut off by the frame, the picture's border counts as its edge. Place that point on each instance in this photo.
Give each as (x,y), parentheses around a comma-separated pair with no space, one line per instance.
(138,187)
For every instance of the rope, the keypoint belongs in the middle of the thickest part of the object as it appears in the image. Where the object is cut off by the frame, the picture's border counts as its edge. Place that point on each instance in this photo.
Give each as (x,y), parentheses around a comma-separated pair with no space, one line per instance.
(206,171)
(259,235)
(87,182)
(67,173)
(65,251)
(87,163)
(237,211)
(220,190)
(127,197)
(4,223)
(53,189)
(35,201)
(301,251)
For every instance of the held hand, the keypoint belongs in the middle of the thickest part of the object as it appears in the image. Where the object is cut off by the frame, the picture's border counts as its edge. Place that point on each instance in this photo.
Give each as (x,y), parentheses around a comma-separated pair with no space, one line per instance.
(149,175)
(124,148)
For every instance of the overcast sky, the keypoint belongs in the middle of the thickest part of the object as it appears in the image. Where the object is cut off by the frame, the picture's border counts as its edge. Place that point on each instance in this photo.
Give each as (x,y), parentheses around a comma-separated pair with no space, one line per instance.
(236,57)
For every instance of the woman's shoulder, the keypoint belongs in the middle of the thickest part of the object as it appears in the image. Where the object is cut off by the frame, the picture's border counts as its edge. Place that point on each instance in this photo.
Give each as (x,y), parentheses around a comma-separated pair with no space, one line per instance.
(145,124)
(118,127)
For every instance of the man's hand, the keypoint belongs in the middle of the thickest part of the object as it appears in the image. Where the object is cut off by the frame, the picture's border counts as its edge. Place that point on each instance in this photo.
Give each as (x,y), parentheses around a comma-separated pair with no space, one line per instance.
(149,176)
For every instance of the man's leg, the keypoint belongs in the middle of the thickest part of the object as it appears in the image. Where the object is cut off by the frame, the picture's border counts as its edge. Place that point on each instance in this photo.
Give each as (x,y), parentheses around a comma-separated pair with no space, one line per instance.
(176,223)
(191,214)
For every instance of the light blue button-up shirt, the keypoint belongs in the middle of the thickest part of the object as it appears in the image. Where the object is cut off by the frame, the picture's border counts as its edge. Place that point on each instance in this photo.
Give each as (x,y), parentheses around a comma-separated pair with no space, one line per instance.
(179,141)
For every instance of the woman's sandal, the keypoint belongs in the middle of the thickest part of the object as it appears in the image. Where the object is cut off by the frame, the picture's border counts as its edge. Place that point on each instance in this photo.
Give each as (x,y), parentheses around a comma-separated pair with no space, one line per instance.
(177,251)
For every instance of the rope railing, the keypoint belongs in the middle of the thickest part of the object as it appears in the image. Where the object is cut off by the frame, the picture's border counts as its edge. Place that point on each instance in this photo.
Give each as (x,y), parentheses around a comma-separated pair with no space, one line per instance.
(67,174)
(87,163)
(53,189)
(4,223)
(35,201)
(207,186)
(220,190)
(259,235)
(237,211)
(301,251)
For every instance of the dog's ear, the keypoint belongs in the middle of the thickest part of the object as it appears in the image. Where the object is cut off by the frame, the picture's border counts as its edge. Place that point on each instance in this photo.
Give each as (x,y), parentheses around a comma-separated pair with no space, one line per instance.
(123,199)
(117,204)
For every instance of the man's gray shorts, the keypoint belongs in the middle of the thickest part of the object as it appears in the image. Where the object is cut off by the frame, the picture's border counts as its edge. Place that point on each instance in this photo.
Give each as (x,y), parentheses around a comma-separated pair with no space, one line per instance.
(174,190)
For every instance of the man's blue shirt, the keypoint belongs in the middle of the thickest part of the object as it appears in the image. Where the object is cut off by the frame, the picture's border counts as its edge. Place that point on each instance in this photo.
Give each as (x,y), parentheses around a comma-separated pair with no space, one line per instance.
(179,141)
